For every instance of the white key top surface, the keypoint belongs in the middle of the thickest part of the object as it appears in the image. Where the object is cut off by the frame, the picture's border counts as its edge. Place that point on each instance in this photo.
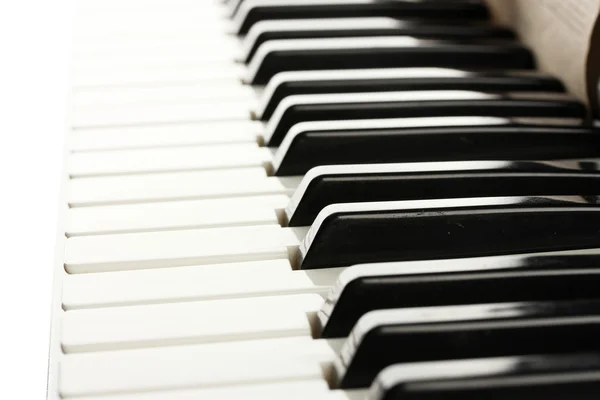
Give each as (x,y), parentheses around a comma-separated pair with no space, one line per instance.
(193,134)
(125,115)
(194,92)
(187,323)
(179,248)
(207,365)
(189,158)
(195,214)
(300,390)
(176,186)
(220,70)
(204,282)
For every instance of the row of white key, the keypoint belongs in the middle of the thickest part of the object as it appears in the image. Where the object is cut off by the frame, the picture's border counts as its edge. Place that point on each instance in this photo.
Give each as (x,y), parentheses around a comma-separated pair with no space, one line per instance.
(212,309)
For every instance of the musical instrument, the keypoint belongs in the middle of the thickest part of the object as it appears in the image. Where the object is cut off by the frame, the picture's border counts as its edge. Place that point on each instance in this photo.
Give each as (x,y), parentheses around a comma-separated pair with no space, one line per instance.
(322,199)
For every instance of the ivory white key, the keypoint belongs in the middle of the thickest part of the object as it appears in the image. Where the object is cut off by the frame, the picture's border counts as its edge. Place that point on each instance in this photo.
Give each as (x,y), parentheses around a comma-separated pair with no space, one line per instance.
(207,365)
(157,21)
(113,190)
(194,92)
(131,137)
(190,158)
(221,70)
(165,46)
(106,67)
(143,114)
(302,390)
(180,248)
(205,282)
(165,216)
(188,323)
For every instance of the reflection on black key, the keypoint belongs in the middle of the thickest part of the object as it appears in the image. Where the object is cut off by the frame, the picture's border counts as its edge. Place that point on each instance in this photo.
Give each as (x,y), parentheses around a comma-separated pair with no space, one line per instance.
(250,12)
(398,79)
(417,104)
(365,27)
(381,52)
(548,377)
(387,337)
(311,144)
(532,277)
(357,183)
(347,234)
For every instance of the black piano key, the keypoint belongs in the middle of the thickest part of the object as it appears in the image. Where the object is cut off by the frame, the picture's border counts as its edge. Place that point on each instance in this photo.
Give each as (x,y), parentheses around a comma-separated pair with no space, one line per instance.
(313,144)
(381,52)
(366,27)
(377,80)
(388,337)
(530,377)
(417,104)
(249,12)
(553,276)
(327,185)
(348,234)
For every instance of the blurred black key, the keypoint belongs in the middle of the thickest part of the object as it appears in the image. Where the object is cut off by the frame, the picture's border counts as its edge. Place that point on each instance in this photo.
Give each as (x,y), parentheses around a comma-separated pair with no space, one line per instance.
(417,104)
(249,12)
(327,185)
(365,27)
(388,337)
(311,144)
(535,377)
(348,234)
(553,276)
(381,52)
(293,83)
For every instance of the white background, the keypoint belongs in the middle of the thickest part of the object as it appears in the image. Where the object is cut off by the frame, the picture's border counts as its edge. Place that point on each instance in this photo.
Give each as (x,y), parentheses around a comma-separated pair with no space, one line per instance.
(34,49)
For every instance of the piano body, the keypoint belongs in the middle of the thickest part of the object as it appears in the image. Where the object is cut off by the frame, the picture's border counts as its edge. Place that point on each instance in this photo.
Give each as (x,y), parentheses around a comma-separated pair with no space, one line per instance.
(325,200)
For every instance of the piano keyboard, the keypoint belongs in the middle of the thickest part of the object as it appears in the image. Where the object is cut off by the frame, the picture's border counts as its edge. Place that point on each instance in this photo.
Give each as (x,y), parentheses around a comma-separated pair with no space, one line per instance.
(326,200)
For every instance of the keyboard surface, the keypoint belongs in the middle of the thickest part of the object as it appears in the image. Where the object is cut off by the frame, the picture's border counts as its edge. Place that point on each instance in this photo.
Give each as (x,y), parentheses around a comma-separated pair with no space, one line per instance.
(325,199)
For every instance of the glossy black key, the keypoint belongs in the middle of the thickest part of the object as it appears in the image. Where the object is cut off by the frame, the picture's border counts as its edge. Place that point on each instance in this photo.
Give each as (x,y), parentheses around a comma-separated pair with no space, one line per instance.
(381,52)
(531,377)
(365,27)
(348,234)
(327,185)
(388,337)
(429,139)
(570,275)
(398,79)
(250,12)
(417,104)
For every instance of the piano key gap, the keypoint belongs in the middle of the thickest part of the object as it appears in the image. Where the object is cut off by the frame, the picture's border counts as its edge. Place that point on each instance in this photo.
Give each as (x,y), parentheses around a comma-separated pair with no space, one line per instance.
(282,218)
(329,375)
(314,322)
(293,252)
(269,168)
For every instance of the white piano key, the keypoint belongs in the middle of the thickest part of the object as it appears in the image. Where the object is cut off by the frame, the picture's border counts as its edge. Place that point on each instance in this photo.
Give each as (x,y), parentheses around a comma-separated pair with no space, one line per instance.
(195,283)
(302,390)
(166,46)
(180,248)
(195,214)
(194,92)
(191,158)
(102,68)
(147,114)
(219,70)
(111,23)
(196,366)
(131,137)
(175,186)
(176,324)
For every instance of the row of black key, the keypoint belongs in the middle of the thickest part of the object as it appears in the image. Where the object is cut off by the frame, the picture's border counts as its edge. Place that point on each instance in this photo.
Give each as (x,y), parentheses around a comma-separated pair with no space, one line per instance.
(506,306)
